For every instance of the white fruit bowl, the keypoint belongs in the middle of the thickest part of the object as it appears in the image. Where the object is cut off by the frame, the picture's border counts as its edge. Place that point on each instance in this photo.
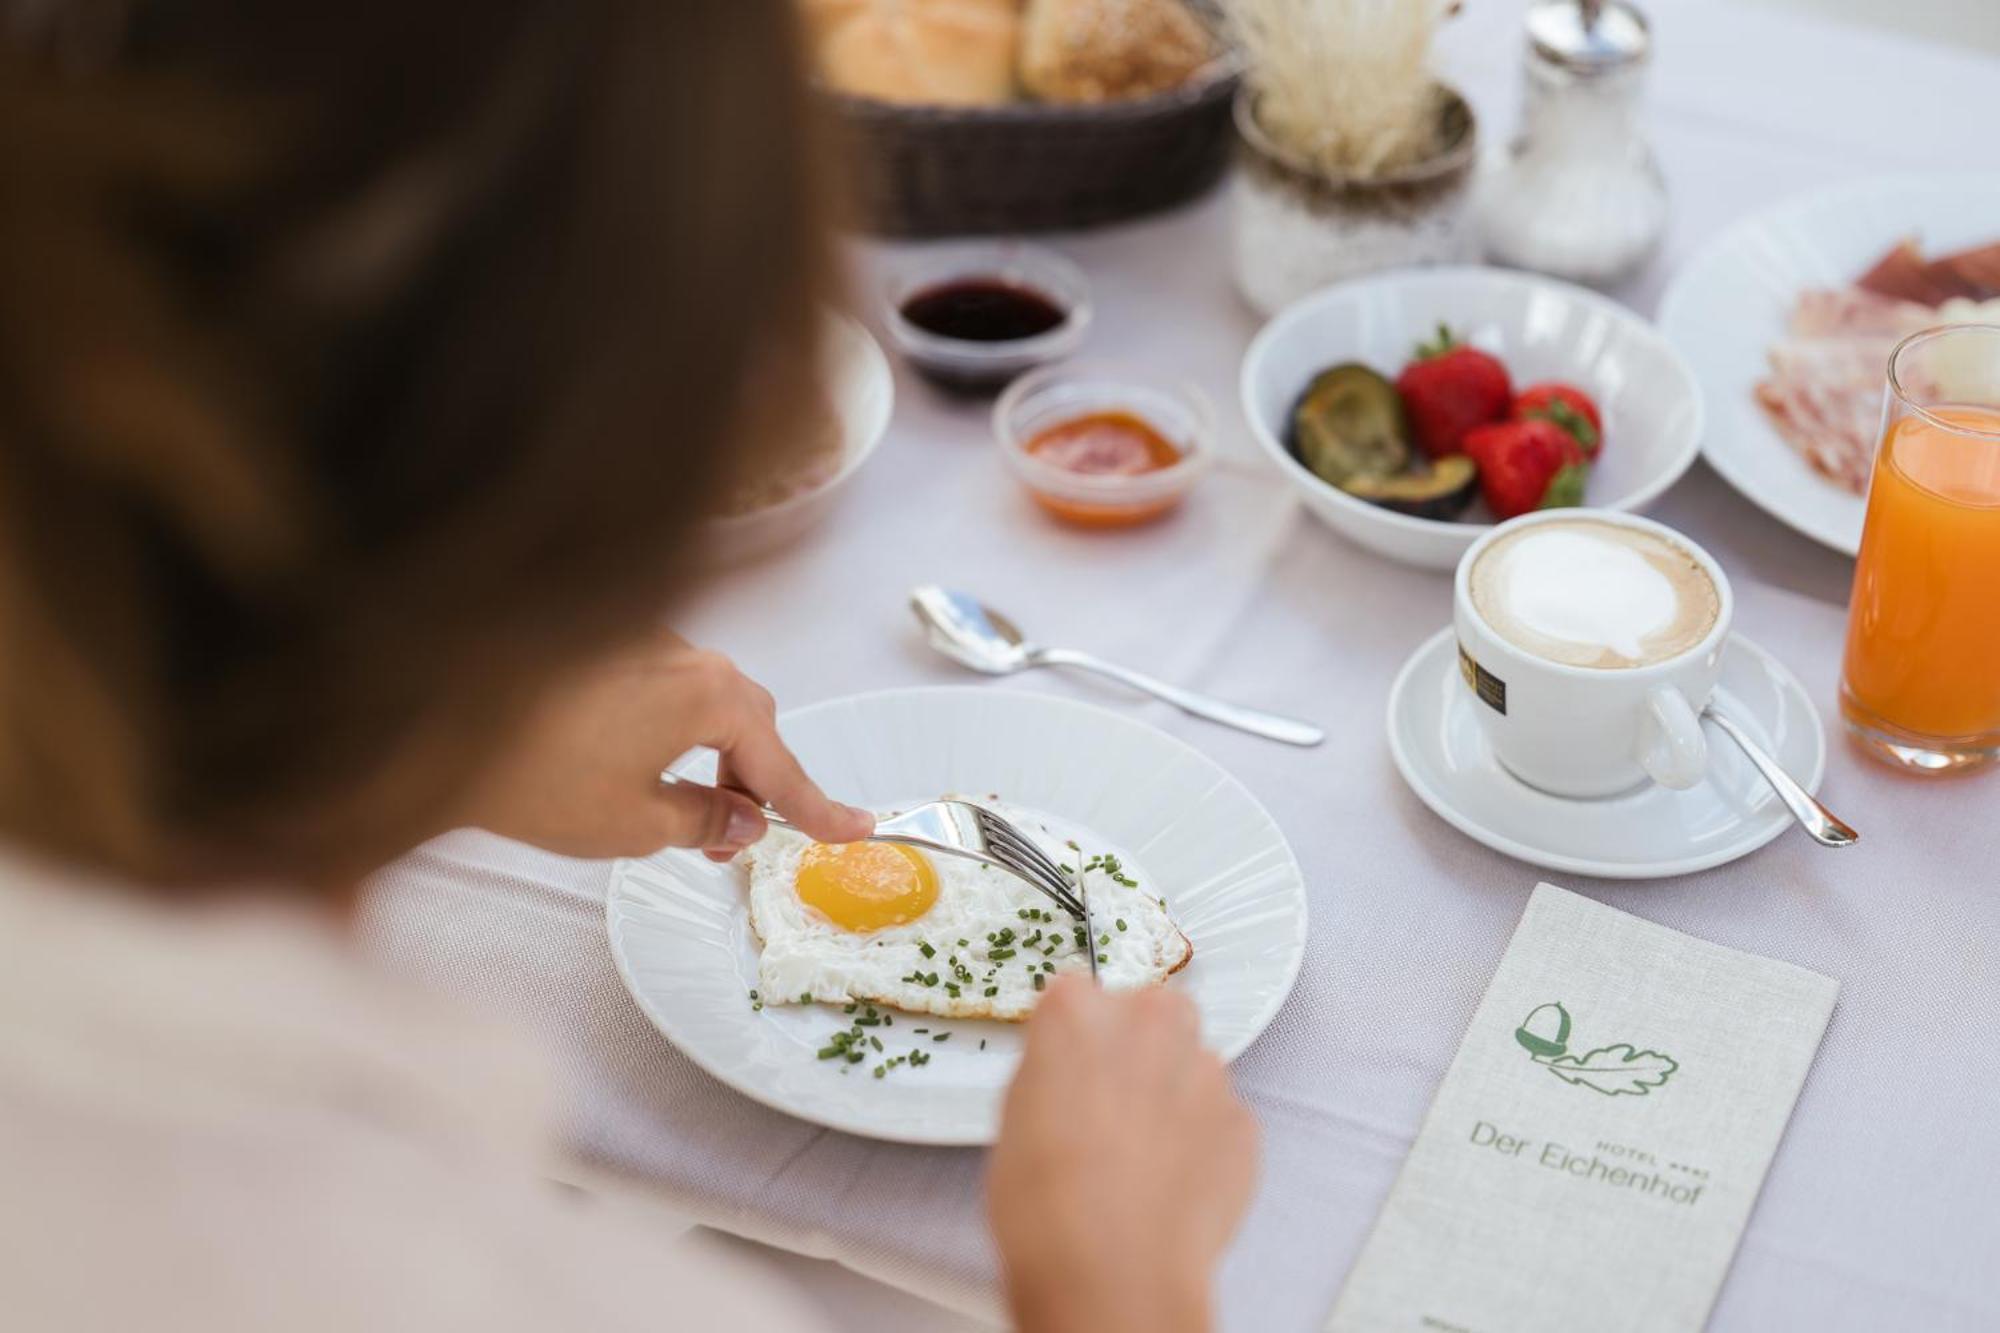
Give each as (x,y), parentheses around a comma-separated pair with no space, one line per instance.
(1540,329)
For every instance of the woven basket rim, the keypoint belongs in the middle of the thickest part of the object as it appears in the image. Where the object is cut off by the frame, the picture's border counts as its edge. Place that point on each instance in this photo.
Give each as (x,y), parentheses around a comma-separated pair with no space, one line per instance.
(1215,81)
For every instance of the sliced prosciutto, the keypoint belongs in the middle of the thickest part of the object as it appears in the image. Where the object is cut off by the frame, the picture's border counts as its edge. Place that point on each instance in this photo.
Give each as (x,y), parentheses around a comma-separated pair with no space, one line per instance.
(1904,274)
(1850,312)
(1824,391)
(1824,395)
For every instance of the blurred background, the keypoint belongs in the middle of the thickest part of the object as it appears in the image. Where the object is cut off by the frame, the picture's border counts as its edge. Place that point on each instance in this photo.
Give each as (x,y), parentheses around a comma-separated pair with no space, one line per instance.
(1974,23)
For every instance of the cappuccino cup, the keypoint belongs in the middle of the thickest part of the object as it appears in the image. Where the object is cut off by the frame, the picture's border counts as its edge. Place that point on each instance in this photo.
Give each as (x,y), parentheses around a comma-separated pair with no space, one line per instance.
(1589,641)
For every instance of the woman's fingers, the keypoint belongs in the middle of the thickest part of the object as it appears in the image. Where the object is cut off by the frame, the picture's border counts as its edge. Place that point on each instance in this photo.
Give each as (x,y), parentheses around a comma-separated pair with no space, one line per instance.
(1092,1232)
(721,821)
(755,760)
(583,777)
(758,761)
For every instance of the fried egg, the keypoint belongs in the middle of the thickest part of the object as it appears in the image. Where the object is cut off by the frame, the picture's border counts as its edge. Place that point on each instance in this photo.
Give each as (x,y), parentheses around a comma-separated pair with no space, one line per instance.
(933,934)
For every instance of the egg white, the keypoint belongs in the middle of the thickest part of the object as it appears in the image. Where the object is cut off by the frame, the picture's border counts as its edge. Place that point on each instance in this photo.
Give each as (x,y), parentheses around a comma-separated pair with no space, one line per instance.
(807,958)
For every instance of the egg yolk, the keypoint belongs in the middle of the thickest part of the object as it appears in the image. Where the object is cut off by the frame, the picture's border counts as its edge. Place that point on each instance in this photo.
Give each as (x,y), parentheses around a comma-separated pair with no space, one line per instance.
(866,885)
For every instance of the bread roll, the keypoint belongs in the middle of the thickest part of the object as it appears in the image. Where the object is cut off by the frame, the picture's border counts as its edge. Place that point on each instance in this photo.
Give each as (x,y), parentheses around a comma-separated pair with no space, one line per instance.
(1101,50)
(959,52)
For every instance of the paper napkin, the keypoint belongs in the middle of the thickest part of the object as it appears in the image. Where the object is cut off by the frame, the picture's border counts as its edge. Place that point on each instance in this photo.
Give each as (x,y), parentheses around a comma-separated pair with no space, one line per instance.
(1593,1152)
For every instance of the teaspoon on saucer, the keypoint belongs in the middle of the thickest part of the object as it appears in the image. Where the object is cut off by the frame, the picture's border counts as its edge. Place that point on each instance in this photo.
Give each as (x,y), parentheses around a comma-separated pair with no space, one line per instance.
(979,637)
(1819,822)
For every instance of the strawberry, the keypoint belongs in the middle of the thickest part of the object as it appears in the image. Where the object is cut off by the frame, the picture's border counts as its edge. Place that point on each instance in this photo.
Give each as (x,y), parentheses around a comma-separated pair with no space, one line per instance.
(1449,389)
(1529,464)
(1567,406)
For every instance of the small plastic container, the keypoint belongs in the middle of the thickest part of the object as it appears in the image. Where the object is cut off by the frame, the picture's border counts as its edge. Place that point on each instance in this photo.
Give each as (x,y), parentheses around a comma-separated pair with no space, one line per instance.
(980,366)
(1058,395)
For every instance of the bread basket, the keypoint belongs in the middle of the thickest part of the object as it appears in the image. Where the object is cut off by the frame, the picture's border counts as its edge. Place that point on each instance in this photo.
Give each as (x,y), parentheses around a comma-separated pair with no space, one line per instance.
(1032,166)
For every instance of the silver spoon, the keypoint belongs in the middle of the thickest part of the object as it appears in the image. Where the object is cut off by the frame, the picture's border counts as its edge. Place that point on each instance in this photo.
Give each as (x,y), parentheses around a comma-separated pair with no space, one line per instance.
(979,637)
(1818,821)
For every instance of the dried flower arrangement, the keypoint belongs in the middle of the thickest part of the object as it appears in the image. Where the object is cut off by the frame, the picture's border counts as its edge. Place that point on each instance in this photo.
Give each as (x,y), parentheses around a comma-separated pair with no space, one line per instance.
(1343,84)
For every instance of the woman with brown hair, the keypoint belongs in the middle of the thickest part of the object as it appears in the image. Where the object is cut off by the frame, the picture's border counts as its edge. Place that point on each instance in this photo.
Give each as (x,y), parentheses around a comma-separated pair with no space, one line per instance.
(363,369)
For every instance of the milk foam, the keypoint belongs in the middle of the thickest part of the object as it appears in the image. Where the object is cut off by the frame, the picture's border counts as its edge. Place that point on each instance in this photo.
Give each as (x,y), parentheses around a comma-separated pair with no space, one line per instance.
(1590,593)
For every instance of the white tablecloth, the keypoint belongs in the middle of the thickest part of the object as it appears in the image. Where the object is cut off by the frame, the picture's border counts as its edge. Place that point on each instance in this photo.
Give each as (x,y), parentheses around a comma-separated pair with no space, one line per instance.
(1880,1211)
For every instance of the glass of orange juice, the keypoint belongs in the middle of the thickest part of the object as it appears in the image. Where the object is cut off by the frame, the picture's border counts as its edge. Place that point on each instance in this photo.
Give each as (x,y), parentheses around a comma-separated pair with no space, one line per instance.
(1921,683)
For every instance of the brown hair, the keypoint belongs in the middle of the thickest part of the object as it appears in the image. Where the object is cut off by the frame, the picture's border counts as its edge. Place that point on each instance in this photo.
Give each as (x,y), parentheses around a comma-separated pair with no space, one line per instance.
(362,367)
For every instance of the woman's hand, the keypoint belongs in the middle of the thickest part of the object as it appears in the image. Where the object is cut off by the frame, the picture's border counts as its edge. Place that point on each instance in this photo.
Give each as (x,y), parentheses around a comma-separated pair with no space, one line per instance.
(584,777)
(1123,1166)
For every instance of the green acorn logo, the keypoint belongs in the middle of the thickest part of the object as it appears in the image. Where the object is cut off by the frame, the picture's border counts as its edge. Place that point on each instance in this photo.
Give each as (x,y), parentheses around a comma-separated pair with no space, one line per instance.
(1545,1032)
(1619,1069)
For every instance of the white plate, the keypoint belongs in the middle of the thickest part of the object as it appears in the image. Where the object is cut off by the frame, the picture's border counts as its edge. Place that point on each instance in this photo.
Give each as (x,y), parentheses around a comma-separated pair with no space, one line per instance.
(862,394)
(1647,834)
(1734,299)
(680,932)
(1541,328)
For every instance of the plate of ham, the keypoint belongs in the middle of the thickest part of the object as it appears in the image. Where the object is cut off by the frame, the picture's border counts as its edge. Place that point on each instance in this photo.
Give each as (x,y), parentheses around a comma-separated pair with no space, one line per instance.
(1788,319)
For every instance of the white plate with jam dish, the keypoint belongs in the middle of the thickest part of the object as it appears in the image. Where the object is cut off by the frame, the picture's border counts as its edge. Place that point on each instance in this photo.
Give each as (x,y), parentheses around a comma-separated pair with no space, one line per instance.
(1102,445)
(1540,330)
(1184,829)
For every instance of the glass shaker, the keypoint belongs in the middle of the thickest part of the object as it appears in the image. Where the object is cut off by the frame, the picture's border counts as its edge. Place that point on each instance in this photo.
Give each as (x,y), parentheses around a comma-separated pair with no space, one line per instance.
(1579,196)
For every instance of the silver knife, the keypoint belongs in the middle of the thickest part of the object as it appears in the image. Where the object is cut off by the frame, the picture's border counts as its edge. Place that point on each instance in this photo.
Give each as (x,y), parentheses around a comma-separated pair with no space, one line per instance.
(1089,930)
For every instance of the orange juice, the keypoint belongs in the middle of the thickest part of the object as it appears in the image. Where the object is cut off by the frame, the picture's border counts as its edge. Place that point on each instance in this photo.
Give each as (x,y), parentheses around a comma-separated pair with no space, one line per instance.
(1923,636)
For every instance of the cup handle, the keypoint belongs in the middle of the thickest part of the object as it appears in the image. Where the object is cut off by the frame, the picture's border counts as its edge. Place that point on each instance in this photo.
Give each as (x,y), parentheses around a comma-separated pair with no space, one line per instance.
(1671,746)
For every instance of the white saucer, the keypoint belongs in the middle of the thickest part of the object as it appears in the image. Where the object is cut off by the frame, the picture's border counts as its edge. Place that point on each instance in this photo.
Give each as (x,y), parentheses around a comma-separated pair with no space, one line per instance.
(1649,833)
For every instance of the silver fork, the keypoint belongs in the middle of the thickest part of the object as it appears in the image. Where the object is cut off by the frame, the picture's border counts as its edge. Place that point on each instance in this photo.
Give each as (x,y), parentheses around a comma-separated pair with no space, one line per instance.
(962,829)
